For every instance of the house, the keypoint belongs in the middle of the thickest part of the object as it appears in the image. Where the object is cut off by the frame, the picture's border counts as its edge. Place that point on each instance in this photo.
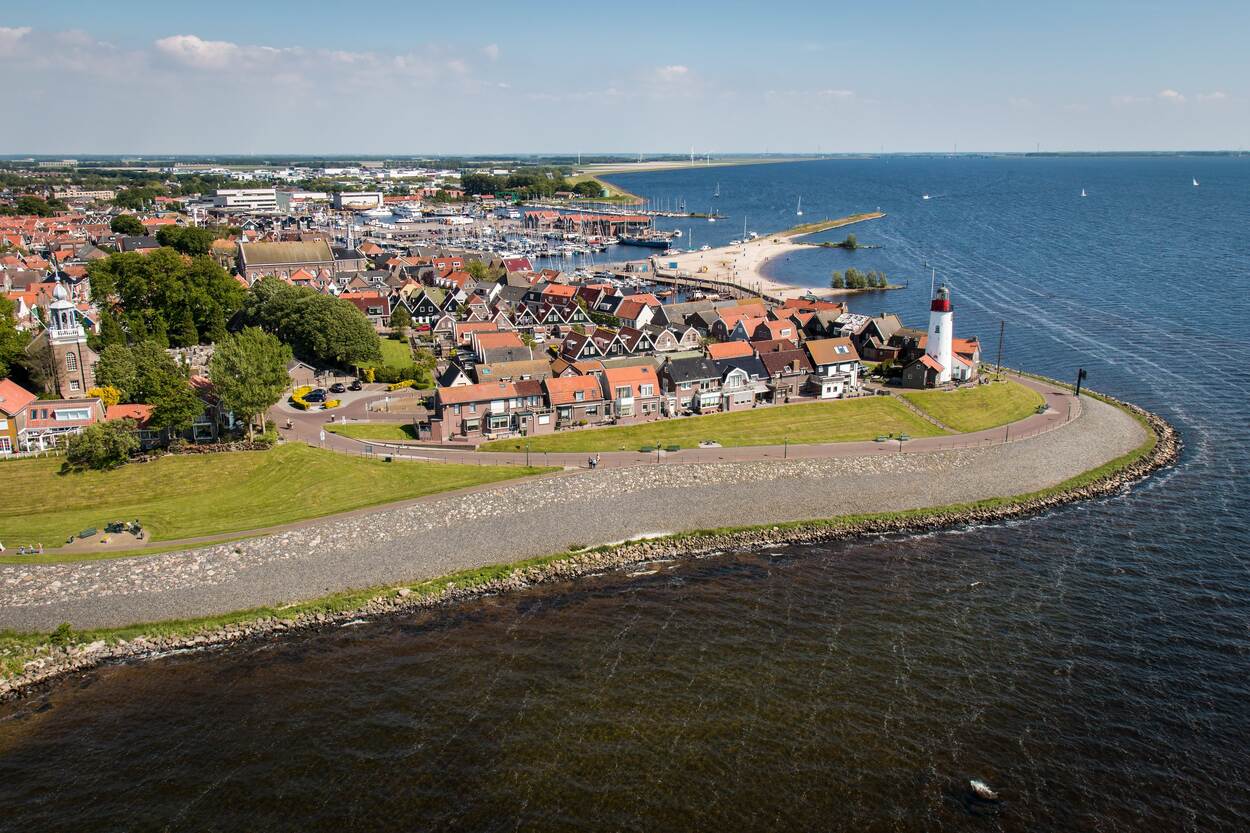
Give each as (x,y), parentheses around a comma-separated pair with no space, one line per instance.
(473,412)
(453,376)
(491,347)
(636,311)
(463,331)
(721,350)
(746,328)
(141,415)
(924,372)
(45,422)
(836,367)
(514,371)
(691,385)
(13,401)
(787,372)
(783,330)
(577,400)
(374,305)
(426,305)
(634,393)
(738,391)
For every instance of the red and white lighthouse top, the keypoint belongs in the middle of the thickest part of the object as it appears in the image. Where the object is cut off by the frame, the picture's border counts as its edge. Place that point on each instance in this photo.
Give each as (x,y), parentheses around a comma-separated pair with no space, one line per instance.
(941,300)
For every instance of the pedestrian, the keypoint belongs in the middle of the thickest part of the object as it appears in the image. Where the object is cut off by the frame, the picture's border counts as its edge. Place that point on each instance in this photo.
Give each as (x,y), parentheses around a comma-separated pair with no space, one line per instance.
(1,547)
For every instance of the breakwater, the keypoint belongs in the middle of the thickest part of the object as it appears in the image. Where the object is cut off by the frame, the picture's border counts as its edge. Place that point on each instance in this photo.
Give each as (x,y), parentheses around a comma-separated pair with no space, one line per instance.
(66,653)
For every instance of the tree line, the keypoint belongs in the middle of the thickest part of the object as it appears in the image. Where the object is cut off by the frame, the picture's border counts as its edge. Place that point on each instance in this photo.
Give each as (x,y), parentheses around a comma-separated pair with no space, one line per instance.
(855,279)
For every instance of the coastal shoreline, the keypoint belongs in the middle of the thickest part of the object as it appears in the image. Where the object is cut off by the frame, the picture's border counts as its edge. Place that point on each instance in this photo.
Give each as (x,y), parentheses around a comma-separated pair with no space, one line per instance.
(743,266)
(49,664)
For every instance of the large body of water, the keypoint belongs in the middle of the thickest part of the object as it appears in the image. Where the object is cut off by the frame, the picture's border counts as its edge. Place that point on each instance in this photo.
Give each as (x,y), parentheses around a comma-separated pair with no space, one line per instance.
(1092,664)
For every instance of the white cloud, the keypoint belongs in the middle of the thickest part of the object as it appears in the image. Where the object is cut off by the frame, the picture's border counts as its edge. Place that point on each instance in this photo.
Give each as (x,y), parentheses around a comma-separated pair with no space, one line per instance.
(672,72)
(9,37)
(491,51)
(195,52)
(1171,96)
(1212,96)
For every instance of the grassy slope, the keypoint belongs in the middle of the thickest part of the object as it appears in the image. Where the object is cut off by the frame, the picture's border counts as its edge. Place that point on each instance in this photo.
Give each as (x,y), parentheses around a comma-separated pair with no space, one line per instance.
(390,431)
(977,407)
(207,494)
(815,422)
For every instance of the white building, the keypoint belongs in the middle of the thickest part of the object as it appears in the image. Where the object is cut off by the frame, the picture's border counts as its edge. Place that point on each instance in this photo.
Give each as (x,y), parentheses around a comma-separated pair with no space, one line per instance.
(246,199)
(941,332)
(358,200)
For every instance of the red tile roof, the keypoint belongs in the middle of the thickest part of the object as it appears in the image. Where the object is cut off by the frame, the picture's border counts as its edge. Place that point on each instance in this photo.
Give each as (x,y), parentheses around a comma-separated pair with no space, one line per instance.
(14,397)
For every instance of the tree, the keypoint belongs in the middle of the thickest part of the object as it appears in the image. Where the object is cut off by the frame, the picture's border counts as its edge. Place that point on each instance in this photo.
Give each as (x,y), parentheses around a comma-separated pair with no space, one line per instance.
(12,340)
(249,372)
(837,281)
(111,332)
(108,394)
(479,270)
(127,224)
(401,320)
(320,328)
(850,242)
(116,369)
(184,333)
(154,291)
(105,445)
(188,241)
(175,404)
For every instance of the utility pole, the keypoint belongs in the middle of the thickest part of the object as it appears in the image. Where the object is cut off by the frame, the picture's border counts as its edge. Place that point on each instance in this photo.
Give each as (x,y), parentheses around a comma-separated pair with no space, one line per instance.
(1080,377)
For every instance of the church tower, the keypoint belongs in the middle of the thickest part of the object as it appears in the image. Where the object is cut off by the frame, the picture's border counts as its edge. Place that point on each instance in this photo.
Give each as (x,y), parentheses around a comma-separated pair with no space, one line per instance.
(941,332)
(72,361)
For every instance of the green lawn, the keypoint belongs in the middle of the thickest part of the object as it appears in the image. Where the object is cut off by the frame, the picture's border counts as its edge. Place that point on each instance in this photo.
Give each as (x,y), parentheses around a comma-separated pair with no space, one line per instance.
(396,353)
(977,407)
(182,496)
(390,431)
(815,422)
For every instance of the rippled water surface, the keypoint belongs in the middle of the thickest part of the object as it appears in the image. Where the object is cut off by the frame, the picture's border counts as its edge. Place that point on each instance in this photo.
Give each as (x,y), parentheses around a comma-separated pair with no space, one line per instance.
(1093,665)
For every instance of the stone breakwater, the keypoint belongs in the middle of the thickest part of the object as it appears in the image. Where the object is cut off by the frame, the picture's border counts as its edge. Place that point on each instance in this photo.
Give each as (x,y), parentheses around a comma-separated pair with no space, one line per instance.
(75,658)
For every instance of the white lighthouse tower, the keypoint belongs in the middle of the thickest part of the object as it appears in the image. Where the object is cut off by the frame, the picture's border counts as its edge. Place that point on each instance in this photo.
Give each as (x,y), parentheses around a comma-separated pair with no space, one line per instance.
(941,331)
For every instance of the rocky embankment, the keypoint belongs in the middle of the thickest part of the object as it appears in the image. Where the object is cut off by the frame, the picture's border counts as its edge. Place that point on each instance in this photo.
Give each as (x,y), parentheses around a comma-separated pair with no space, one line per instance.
(52,663)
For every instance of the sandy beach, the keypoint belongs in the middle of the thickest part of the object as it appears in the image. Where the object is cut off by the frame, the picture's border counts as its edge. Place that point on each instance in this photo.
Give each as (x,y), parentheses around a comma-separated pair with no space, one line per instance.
(742,265)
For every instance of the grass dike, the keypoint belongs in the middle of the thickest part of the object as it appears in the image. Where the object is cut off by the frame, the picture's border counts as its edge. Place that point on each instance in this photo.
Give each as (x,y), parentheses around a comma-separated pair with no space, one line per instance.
(30,661)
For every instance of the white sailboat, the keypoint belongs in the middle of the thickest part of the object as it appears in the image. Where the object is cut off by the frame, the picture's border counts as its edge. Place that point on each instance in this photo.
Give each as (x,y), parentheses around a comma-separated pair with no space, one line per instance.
(711,215)
(1082,192)
(925,197)
(798,211)
(1195,182)
(717,194)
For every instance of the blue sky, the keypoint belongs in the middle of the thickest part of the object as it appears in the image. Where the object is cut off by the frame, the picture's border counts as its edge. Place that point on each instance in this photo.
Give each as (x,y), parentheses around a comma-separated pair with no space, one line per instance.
(412,77)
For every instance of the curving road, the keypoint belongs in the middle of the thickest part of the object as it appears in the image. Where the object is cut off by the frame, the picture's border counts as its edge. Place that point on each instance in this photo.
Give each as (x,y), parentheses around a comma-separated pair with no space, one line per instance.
(438,535)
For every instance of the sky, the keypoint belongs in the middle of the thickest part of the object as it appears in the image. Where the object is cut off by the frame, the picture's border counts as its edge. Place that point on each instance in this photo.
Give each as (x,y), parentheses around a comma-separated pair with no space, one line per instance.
(411,77)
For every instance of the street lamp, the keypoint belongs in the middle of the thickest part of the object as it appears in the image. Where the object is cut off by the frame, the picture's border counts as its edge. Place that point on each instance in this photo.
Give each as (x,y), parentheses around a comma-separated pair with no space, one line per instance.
(1080,377)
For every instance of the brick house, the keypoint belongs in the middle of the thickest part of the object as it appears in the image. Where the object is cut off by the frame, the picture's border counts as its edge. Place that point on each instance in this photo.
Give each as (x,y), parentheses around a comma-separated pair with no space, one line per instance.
(577,400)
(634,393)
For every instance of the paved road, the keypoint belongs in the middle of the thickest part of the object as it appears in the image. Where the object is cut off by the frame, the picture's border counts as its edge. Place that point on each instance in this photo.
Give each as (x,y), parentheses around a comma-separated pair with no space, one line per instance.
(445,533)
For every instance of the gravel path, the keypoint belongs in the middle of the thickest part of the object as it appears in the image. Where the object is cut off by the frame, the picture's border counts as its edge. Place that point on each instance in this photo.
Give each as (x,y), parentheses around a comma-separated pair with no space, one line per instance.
(517,521)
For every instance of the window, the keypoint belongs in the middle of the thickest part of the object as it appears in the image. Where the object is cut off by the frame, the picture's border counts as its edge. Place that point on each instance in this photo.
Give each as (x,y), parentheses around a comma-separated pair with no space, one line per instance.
(71,361)
(6,446)
(71,414)
(841,348)
(646,390)
(579,396)
(624,392)
(592,410)
(73,384)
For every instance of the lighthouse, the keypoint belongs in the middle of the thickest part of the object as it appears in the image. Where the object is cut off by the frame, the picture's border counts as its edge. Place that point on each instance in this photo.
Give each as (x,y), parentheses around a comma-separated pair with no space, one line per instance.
(941,331)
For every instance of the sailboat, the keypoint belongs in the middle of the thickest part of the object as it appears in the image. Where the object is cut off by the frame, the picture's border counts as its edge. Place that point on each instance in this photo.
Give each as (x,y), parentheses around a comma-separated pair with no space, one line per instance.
(716,195)
(798,211)
(1082,192)
(925,197)
(711,215)
(1195,182)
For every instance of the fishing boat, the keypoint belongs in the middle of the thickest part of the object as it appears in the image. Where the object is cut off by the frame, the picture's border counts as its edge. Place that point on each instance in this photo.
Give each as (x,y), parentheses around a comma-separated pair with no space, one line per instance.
(798,211)
(646,241)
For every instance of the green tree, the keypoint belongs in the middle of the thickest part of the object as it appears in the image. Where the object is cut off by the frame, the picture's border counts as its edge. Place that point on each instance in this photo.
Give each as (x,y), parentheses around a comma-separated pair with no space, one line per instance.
(249,372)
(105,445)
(175,404)
(188,241)
(401,320)
(116,368)
(127,224)
(479,270)
(837,281)
(184,333)
(12,340)
(320,328)
(850,242)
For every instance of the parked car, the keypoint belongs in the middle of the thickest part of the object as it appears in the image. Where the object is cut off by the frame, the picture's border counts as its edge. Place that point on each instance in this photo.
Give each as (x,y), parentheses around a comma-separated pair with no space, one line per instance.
(318,395)
(338,387)
(355,385)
